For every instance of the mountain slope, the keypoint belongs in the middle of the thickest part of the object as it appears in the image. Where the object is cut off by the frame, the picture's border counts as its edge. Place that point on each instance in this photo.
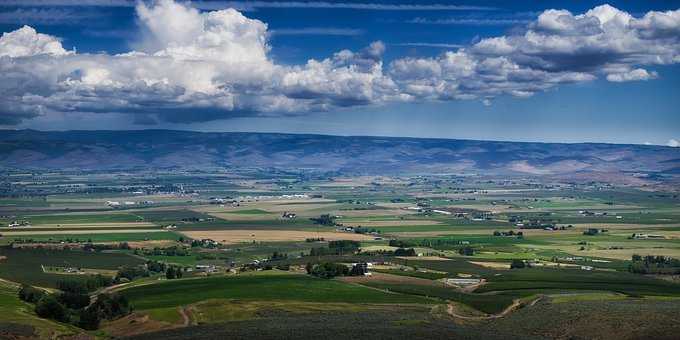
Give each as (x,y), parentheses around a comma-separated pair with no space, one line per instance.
(100,150)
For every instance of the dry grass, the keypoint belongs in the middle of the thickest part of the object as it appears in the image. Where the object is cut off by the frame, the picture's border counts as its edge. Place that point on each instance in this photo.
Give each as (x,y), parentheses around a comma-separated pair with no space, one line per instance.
(134,324)
(240,236)
(493,265)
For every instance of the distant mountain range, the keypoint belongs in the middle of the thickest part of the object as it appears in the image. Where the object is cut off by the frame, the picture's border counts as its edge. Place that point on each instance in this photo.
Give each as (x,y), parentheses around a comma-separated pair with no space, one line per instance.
(125,150)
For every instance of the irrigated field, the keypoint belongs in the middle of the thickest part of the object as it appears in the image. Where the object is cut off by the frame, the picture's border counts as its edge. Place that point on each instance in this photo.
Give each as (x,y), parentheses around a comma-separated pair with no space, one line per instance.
(276,287)
(25,265)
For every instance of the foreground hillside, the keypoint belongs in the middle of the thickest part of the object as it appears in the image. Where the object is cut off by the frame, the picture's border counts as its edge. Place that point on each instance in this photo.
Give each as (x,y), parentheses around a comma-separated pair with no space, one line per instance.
(103,150)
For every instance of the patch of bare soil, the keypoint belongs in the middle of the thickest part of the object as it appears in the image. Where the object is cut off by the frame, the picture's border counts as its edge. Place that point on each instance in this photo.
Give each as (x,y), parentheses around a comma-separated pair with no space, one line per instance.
(493,265)
(134,324)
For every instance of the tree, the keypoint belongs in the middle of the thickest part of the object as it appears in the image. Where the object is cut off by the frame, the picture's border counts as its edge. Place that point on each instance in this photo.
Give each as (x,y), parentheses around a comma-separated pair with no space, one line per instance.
(49,308)
(30,294)
(110,306)
(466,251)
(344,246)
(170,273)
(74,300)
(405,252)
(517,264)
(329,270)
(358,270)
(89,318)
(325,219)
(72,286)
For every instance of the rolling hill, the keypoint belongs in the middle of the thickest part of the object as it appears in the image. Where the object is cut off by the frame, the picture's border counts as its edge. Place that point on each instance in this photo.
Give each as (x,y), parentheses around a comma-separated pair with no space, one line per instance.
(163,149)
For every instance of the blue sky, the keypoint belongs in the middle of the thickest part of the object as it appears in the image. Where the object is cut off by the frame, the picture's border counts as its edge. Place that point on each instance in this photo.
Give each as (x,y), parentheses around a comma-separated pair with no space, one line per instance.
(593,105)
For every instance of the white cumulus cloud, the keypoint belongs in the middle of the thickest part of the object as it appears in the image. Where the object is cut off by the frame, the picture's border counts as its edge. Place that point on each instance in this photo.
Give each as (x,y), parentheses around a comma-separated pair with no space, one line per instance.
(26,42)
(190,65)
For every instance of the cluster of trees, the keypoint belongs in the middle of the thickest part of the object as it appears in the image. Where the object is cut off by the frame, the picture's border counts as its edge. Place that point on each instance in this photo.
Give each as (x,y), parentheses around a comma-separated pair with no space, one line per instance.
(74,305)
(405,252)
(364,230)
(206,243)
(654,265)
(129,273)
(99,247)
(169,251)
(319,251)
(518,234)
(327,270)
(340,247)
(324,219)
(344,246)
(173,272)
(402,244)
(593,231)
(278,256)
(105,307)
(437,243)
(89,284)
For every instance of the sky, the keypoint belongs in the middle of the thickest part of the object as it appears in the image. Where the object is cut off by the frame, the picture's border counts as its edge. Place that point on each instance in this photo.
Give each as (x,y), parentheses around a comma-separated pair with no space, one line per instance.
(555,71)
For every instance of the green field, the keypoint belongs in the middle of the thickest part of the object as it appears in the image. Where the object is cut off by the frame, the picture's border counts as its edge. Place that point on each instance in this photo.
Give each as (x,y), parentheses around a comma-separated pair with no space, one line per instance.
(96,238)
(260,288)
(80,218)
(24,265)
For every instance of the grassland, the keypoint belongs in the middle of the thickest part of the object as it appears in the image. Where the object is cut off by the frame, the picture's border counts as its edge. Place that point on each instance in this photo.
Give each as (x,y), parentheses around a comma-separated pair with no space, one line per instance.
(19,320)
